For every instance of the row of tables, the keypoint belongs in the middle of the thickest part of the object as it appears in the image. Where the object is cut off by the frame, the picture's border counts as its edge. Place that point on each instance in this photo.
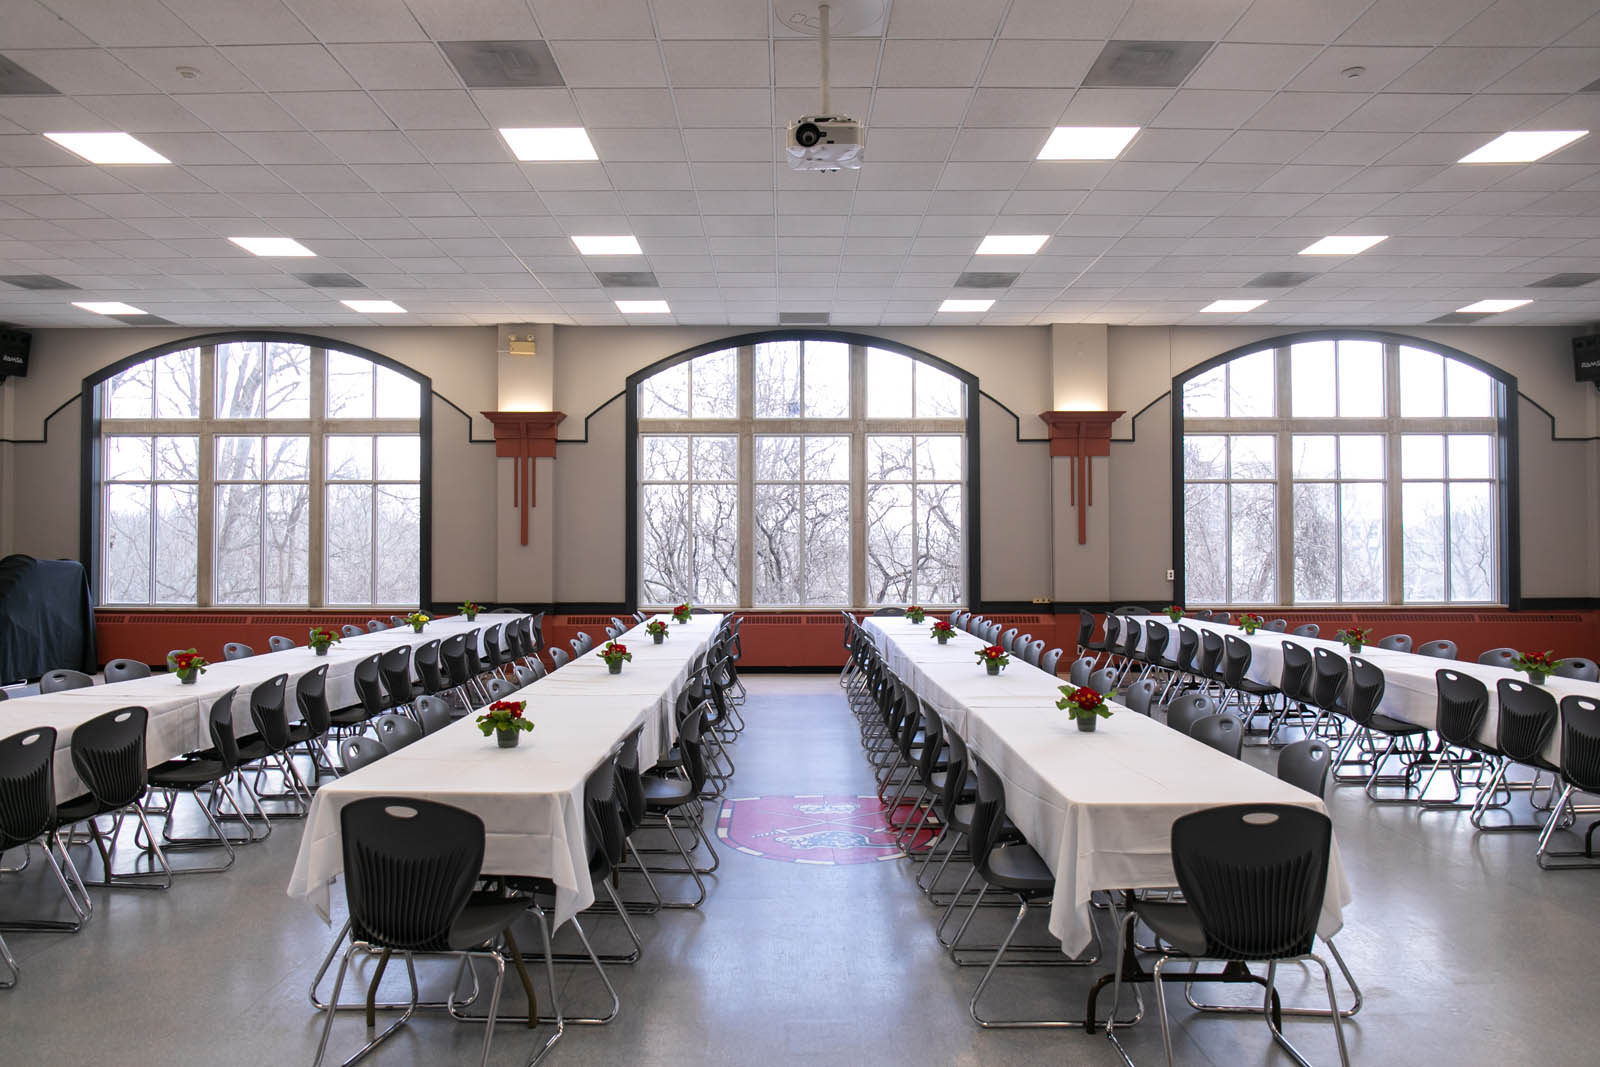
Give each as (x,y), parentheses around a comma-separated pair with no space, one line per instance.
(1098,807)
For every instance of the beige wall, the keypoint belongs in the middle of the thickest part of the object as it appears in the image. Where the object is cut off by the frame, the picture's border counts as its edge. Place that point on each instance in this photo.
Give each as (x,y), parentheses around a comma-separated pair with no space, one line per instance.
(1021,373)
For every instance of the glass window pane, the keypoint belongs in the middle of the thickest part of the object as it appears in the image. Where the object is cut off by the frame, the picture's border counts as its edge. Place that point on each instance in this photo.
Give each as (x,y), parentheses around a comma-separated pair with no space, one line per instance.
(177,385)
(827,365)
(665,458)
(128,459)
(714,382)
(288,380)
(288,459)
(398,398)
(1205,542)
(1361,456)
(1421,383)
(399,459)
(1204,456)
(237,537)
(1313,381)
(349,386)
(1422,527)
(889,544)
(1254,457)
(827,544)
(1204,395)
(1312,455)
(827,459)
(778,516)
(777,384)
(129,395)
(286,551)
(1421,456)
(888,458)
(664,544)
(777,459)
(939,458)
(1468,391)
(349,458)
(177,459)
(938,561)
(1361,543)
(665,394)
(1472,556)
(238,459)
(177,544)
(716,544)
(125,529)
(398,554)
(348,562)
(1254,518)
(1471,455)
(1253,386)
(938,395)
(715,458)
(888,385)
(1361,379)
(1316,542)
(239,380)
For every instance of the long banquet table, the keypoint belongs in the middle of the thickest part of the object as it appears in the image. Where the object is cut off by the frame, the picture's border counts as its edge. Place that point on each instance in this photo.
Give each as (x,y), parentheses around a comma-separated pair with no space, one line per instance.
(1411,690)
(179,714)
(1098,807)
(530,798)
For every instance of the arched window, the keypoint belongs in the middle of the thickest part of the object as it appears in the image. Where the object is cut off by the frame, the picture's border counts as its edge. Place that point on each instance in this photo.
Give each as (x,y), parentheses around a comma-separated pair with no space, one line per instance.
(257,470)
(801,471)
(1343,469)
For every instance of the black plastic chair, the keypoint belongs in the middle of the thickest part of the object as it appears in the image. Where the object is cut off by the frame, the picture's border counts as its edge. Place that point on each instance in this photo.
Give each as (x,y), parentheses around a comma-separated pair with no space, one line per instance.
(1580,772)
(358,751)
(370,698)
(433,714)
(1306,764)
(108,754)
(1309,629)
(212,773)
(1396,643)
(1584,670)
(236,650)
(1440,649)
(458,672)
(62,680)
(268,748)
(1221,732)
(396,731)
(28,816)
(280,644)
(669,797)
(1189,709)
(410,867)
(1236,657)
(350,629)
(1253,878)
(316,721)
(1463,707)
(1500,657)
(124,670)
(1527,720)
(1277,626)
(1295,682)
(395,666)
(374,625)
(1405,741)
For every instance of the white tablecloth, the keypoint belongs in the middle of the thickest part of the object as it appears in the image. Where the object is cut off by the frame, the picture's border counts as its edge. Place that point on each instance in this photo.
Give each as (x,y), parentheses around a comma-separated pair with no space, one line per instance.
(1411,691)
(180,714)
(530,798)
(1098,807)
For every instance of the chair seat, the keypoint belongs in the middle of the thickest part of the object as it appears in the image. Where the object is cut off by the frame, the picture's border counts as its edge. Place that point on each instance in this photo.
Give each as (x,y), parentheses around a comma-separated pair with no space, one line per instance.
(1394,727)
(251,748)
(1174,923)
(1258,689)
(349,716)
(483,921)
(78,809)
(1019,868)
(664,794)
(186,773)
(300,733)
(962,822)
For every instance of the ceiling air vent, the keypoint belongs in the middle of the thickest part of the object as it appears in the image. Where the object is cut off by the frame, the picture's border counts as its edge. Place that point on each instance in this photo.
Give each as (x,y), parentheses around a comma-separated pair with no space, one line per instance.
(1145,64)
(1279,279)
(627,279)
(985,279)
(802,318)
(1459,318)
(503,64)
(14,81)
(331,281)
(35,281)
(1563,281)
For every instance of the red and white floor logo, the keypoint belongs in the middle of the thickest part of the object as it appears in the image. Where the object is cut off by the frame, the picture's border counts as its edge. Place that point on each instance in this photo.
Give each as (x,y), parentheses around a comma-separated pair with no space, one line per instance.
(817,829)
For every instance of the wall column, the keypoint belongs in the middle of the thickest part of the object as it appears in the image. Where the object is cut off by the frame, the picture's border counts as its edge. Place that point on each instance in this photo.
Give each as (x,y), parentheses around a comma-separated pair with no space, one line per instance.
(525,433)
(1080,447)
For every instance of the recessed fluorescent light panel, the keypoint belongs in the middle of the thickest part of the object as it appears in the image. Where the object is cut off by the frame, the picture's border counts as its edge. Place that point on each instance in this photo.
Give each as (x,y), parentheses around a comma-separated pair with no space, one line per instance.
(620,245)
(1087,142)
(546,144)
(1490,307)
(966,305)
(643,307)
(1341,246)
(1523,146)
(108,307)
(108,148)
(272,246)
(1012,244)
(374,307)
(1231,307)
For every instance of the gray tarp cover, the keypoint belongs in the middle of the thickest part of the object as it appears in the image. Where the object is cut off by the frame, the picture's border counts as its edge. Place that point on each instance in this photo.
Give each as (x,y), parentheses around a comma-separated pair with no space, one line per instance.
(46,617)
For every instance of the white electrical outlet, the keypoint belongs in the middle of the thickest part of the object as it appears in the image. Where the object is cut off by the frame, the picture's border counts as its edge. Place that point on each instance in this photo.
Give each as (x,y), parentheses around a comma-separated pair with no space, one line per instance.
(1171,574)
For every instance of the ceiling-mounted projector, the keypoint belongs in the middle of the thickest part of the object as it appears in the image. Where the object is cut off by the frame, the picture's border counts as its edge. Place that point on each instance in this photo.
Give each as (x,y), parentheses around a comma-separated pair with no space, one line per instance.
(825,142)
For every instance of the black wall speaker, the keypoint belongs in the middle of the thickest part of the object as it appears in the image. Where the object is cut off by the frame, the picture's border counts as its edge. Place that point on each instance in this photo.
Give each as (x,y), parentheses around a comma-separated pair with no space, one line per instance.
(14,345)
(1586,358)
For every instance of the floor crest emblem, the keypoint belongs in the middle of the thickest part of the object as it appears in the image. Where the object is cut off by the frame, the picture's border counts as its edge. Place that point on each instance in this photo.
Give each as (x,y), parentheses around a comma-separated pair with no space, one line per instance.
(818,830)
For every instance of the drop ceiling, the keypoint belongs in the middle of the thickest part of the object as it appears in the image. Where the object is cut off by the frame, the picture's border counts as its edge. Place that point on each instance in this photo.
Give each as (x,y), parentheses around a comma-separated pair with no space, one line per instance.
(342,124)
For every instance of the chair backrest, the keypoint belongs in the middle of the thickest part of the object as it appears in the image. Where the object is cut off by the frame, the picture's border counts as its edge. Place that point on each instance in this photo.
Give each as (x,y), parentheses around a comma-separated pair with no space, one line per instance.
(1104,680)
(108,754)
(425,660)
(889,612)
(1310,629)
(1236,655)
(957,762)
(1156,636)
(1278,626)
(1048,661)
(1132,637)
(1254,876)
(536,629)
(280,644)
(395,666)
(268,713)
(62,680)
(630,783)
(350,629)
(453,655)
(1008,638)
(518,638)
(1584,670)
(577,647)
(1189,709)
(612,632)
(1188,648)
(1294,680)
(358,750)
(219,723)
(1329,674)
(396,731)
(988,815)
(27,785)
(1580,742)
(1528,716)
(1085,627)
(603,819)
(433,713)
(525,676)
(1033,651)
(585,640)
(1221,617)
(1222,732)
(397,621)
(1080,670)
(1500,657)
(1367,686)
(1463,705)
(237,650)
(619,624)
(1140,695)
(1210,663)
(409,869)
(493,650)
(558,659)
(1440,649)
(123,670)
(1204,614)
(1396,642)
(1113,633)
(311,697)
(374,625)
(369,685)
(1306,764)
(499,689)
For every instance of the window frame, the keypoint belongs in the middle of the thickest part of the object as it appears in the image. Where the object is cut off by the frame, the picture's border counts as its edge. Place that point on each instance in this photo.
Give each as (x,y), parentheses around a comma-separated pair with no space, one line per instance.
(91,474)
(967,425)
(1392,427)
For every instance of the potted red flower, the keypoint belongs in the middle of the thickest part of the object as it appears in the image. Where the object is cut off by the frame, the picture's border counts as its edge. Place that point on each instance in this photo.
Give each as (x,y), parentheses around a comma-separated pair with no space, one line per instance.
(504,719)
(469,609)
(1251,623)
(682,612)
(1173,613)
(1084,705)
(188,666)
(615,655)
(1537,665)
(942,631)
(916,615)
(657,630)
(993,658)
(1354,638)
(321,639)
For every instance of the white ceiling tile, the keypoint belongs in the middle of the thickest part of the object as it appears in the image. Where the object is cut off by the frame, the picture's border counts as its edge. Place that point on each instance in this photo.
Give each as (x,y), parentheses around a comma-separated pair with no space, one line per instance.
(401,177)
(1015,107)
(1250,66)
(1426,148)
(850,63)
(529,107)
(1524,22)
(715,63)
(946,18)
(396,66)
(283,147)
(55,113)
(238,112)
(1089,19)
(1411,21)
(1361,148)
(358,20)
(350,110)
(133,22)
(475,20)
(1403,112)
(1115,107)
(918,107)
(1179,20)
(792,103)
(711,20)
(1210,108)
(240,21)
(569,175)
(646,176)
(80,70)
(1306,111)
(723,107)
(931,63)
(610,64)
(641,108)
(642,145)
(437,109)
(1265,146)
(1379,65)
(708,146)
(289,67)
(610,21)
(1552,70)
(371,147)
(1459,69)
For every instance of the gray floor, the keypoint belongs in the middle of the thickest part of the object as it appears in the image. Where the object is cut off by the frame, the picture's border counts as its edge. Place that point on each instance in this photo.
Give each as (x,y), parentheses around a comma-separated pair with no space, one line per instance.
(1467,952)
